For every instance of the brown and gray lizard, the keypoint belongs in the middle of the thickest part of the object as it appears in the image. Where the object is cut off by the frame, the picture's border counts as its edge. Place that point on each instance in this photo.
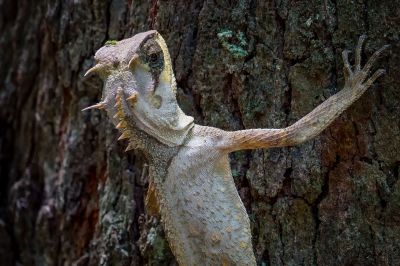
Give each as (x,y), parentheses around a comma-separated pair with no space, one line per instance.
(191,182)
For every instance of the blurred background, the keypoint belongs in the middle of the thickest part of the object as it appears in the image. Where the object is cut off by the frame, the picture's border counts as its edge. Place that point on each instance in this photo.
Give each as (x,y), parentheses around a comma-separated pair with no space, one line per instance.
(69,195)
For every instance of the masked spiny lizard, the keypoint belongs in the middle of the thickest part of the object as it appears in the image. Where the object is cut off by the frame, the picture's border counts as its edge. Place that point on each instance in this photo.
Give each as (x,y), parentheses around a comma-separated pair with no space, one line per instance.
(191,184)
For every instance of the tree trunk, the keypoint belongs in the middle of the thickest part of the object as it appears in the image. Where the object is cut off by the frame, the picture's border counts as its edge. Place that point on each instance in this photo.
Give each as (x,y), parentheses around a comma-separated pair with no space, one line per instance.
(70,195)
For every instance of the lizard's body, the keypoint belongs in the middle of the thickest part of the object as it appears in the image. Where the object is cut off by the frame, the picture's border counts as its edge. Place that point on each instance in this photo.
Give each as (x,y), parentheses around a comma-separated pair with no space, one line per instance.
(191,184)
(206,222)
(204,205)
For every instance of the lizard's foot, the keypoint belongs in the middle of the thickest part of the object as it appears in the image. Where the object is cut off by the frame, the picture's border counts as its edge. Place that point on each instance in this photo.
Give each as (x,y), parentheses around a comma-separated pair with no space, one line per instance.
(357,78)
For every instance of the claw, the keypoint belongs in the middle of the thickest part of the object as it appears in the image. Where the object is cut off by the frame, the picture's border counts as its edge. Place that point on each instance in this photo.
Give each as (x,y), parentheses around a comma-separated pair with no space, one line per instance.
(131,146)
(124,135)
(133,60)
(96,69)
(132,99)
(118,114)
(121,125)
(100,105)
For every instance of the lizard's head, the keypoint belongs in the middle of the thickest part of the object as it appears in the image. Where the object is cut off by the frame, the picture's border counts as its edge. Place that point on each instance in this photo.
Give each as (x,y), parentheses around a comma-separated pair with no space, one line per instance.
(140,87)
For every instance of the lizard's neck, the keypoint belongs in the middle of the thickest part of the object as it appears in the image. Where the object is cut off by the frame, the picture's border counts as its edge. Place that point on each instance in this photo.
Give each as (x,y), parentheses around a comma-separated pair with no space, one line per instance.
(158,155)
(169,127)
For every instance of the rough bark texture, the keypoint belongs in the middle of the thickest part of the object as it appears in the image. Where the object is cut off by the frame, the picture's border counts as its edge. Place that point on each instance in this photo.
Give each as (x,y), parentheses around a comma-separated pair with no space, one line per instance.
(68,193)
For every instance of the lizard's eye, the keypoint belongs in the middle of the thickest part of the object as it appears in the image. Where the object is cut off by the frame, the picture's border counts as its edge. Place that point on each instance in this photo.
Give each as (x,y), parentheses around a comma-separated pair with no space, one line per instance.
(153,58)
(152,55)
(155,61)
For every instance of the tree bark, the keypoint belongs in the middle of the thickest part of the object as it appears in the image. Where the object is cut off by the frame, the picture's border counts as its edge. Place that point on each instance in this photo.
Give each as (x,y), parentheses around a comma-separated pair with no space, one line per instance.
(69,195)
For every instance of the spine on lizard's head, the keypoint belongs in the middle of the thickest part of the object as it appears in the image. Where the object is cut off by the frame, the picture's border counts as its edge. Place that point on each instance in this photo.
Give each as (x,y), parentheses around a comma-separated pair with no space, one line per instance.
(138,71)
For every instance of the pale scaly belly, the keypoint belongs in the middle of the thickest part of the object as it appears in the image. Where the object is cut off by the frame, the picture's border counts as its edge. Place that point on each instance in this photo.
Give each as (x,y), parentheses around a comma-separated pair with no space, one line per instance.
(205,216)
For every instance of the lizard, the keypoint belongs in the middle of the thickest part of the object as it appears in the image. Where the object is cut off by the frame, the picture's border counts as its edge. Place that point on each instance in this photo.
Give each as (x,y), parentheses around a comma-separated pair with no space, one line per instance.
(191,185)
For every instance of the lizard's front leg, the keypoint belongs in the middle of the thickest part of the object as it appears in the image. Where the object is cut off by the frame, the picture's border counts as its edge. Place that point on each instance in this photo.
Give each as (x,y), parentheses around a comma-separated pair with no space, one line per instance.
(356,83)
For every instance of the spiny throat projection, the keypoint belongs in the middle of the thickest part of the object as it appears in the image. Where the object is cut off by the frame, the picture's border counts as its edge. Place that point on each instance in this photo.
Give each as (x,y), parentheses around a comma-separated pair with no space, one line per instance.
(191,184)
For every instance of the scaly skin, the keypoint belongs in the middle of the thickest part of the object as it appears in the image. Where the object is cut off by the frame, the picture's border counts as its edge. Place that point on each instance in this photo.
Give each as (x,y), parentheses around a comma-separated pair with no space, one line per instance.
(191,182)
